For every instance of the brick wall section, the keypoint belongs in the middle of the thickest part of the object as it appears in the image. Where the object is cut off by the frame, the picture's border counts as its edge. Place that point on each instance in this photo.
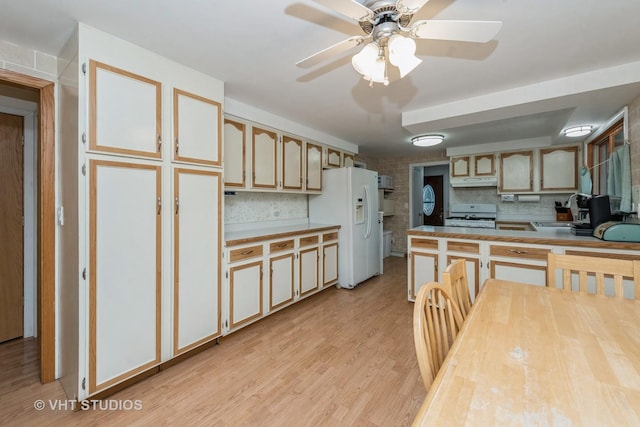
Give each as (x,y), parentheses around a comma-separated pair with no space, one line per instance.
(28,61)
(398,168)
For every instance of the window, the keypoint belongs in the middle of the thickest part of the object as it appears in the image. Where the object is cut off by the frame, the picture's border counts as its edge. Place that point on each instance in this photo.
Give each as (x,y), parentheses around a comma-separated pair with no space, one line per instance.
(598,152)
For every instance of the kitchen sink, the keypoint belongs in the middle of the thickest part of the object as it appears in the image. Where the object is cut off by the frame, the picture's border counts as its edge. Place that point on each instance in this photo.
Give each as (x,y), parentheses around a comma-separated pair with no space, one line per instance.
(547,225)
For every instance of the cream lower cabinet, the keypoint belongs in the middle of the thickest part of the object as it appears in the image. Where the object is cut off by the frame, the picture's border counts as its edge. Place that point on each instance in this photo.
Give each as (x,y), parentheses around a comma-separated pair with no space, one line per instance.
(245,285)
(423,263)
(124,270)
(197,253)
(281,273)
(518,263)
(329,258)
(470,252)
(292,262)
(308,257)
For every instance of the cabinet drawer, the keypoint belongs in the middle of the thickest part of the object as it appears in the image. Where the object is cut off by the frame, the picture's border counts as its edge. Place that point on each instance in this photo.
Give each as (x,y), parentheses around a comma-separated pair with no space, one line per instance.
(245,253)
(330,236)
(309,240)
(519,252)
(281,246)
(468,247)
(424,243)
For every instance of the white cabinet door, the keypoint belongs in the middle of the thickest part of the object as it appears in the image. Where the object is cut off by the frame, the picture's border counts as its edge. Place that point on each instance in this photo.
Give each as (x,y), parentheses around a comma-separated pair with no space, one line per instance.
(281,280)
(472,264)
(245,293)
(516,172)
(234,154)
(333,158)
(124,270)
(308,270)
(264,158)
(559,169)
(124,112)
(460,167)
(196,129)
(329,264)
(291,163)
(314,167)
(197,246)
(423,268)
(484,165)
(348,160)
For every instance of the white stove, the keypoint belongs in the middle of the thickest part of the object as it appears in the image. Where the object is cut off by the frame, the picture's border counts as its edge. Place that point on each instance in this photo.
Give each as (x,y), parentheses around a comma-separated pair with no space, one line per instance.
(477,215)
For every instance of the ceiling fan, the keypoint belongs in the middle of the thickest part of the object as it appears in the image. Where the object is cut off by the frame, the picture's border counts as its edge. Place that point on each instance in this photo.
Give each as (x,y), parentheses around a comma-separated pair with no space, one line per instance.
(389,35)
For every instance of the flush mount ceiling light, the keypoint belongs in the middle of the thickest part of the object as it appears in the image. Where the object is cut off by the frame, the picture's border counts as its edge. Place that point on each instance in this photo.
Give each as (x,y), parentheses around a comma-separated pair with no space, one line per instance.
(389,35)
(576,131)
(427,140)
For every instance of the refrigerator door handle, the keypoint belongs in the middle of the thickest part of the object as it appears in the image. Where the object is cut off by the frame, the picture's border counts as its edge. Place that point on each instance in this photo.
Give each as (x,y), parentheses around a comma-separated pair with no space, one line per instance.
(368,213)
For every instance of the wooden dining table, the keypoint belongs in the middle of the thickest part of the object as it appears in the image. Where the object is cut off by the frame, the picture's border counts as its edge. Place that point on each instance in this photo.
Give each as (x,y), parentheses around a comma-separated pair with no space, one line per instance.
(534,356)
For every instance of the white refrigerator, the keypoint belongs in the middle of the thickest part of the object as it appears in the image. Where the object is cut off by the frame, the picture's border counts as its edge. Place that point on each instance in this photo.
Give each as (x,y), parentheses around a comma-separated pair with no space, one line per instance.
(350,198)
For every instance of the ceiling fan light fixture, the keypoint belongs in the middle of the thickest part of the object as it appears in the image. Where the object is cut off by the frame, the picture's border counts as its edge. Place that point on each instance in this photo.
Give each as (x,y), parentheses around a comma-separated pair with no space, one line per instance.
(402,54)
(576,131)
(427,140)
(371,63)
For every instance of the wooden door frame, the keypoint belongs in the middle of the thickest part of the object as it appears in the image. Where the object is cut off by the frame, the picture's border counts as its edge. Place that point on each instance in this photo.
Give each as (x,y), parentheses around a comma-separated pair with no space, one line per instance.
(45,216)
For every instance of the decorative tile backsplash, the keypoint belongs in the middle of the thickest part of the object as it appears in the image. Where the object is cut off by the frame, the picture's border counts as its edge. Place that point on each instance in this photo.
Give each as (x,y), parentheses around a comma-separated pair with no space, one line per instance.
(258,207)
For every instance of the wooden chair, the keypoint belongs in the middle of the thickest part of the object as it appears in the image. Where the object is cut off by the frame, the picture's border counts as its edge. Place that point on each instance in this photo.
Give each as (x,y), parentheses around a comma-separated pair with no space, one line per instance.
(436,322)
(586,266)
(454,279)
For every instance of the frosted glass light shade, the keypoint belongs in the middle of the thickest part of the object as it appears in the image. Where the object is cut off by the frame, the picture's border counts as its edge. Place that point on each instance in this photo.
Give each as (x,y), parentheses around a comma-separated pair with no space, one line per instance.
(402,54)
(364,61)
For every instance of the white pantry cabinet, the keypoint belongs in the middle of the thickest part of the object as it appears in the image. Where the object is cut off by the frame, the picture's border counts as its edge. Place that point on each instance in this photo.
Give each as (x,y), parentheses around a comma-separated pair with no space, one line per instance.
(197,129)
(146,212)
(125,113)
(125,270)
(197,253)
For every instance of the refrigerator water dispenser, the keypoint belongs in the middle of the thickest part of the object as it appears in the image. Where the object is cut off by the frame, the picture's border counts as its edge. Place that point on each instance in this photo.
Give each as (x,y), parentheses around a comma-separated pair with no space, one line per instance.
(359,216)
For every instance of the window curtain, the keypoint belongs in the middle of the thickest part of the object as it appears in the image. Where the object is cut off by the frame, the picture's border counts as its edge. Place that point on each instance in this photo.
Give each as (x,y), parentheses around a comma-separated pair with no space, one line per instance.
(619,178)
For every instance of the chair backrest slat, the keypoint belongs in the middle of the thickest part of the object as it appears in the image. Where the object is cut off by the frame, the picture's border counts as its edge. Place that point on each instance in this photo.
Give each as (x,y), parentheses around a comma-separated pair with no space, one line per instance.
(601,269)
(454,280)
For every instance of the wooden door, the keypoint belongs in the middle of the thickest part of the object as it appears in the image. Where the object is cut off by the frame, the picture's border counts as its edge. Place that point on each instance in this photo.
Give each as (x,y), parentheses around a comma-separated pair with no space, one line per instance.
(432,200)
(124,271)
(197,262)
(11,227)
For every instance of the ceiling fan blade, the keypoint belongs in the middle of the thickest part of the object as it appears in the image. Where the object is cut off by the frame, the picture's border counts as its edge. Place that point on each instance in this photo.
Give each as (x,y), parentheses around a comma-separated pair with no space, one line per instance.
(409,7)
(350,8)
(324,54)
(466,31)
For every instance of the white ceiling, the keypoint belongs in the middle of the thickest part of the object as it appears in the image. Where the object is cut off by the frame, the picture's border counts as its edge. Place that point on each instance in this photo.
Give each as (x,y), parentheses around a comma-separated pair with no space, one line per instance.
(553,64)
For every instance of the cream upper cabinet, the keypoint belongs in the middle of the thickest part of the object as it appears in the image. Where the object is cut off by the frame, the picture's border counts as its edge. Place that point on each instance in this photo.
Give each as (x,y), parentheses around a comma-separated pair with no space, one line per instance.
(483,165)
(559,169)
(264,147)
(234,154)
(291,163)
(460,167)
(125,114)
(333,158)
(479,165)
(197,131)
(348,160)
(516,172)
(313,167)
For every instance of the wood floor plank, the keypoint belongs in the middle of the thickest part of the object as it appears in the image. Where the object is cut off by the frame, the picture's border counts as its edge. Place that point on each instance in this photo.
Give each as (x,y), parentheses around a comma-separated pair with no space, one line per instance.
(339,358)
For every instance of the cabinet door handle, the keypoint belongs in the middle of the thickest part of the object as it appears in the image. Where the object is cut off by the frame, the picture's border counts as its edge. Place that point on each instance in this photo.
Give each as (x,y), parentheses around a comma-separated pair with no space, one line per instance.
(159,206)
(282,245)
(247,252)
(518,252)
(159,143)
(177,205)
(177,146)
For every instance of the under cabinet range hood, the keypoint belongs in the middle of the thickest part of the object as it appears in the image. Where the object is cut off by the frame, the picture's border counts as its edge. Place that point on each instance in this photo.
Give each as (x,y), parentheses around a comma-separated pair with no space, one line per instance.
(478,181)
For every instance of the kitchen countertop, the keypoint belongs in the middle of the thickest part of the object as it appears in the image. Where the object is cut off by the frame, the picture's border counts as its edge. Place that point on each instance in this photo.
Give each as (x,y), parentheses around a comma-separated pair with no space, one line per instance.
(238,237)
(553,236)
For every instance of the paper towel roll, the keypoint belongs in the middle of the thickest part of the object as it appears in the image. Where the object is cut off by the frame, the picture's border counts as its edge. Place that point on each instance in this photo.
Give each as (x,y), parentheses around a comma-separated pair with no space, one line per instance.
(529,198)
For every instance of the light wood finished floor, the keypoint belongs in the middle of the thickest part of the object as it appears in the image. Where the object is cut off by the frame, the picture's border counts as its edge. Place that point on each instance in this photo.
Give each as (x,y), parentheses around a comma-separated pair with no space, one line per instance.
(338,358)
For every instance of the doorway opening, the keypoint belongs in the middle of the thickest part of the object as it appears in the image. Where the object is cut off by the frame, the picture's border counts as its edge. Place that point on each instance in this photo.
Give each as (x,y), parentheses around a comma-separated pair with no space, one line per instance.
(421,199)
(43,212)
